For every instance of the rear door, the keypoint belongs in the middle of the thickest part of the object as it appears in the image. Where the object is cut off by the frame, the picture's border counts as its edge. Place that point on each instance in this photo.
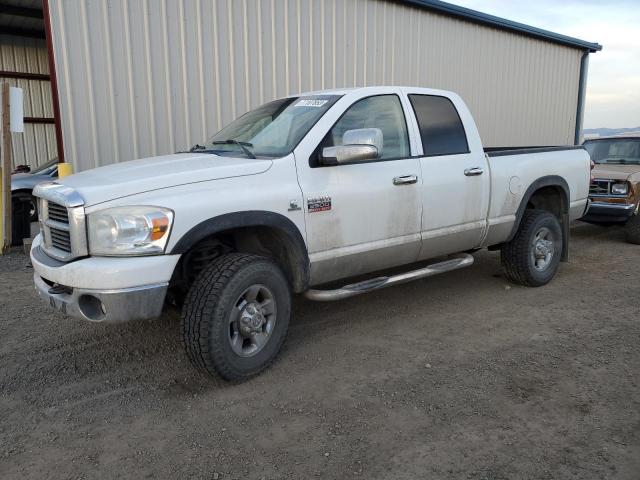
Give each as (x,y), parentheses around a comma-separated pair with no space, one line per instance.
(456,179)
(361,217)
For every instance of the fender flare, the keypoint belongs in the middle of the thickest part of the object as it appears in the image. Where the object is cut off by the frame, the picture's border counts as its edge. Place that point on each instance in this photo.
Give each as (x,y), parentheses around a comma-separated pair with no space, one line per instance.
(547,181)
(247,219)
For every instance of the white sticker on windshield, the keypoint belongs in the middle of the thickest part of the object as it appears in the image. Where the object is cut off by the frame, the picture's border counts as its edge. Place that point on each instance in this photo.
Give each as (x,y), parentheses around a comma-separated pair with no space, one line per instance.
(310,103)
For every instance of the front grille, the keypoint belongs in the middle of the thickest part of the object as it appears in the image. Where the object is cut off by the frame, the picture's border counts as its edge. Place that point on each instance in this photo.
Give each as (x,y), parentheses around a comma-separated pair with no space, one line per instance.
(55,227)
(58,213)
(62,222)
(600,187)
(59,226)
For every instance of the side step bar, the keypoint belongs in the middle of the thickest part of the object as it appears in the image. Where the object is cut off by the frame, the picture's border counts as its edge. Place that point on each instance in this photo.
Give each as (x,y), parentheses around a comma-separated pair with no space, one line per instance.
(463,260)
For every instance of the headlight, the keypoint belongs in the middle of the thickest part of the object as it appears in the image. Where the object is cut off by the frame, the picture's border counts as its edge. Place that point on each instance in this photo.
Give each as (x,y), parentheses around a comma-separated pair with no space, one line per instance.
(620,188)
(129,230)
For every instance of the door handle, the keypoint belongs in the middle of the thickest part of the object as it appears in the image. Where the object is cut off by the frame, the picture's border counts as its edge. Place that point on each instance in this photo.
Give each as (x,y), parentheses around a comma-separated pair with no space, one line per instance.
(405,180)
(472,172)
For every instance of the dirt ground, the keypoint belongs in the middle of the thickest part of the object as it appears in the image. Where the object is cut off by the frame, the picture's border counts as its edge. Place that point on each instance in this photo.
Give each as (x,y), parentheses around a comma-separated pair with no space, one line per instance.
(461,376)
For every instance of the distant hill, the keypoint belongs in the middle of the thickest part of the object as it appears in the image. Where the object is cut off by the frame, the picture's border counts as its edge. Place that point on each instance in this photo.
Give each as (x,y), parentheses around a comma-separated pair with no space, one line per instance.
(606,132)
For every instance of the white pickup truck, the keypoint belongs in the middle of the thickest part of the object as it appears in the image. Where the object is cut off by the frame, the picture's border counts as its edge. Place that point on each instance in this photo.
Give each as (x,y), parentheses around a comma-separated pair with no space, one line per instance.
(295,197)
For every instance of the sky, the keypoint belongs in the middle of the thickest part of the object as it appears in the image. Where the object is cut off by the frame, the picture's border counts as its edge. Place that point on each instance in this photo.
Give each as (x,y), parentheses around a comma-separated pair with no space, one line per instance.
(613,86)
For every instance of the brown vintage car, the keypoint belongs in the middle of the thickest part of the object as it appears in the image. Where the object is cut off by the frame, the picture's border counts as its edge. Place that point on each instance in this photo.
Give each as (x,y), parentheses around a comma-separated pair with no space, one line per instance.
(615,189)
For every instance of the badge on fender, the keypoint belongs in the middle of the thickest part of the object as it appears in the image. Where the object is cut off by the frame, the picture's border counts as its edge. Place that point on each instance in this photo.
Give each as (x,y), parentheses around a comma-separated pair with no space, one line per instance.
(318,204)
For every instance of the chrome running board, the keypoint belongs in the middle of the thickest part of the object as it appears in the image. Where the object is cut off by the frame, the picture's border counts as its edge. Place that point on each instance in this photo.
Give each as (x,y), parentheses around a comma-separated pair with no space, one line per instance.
(463,260)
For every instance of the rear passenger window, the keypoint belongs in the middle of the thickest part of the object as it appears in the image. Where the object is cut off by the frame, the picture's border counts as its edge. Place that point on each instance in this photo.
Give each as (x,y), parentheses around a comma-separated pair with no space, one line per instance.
(441,129)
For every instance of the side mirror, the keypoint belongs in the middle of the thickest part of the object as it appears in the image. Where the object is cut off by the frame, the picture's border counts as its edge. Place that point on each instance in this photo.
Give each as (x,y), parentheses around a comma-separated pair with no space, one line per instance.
(359,145)
(344,154)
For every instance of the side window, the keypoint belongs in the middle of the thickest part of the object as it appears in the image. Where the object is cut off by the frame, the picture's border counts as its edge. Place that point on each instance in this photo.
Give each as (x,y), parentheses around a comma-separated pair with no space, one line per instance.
(383,112)
(441,129)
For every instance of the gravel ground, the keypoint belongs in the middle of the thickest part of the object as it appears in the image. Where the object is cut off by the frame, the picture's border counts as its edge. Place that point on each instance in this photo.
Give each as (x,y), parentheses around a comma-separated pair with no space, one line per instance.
(457,376)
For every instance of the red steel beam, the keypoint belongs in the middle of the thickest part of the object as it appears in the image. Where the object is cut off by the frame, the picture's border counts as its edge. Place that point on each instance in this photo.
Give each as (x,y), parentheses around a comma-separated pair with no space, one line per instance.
(39,120)
(54,80)
(24,75)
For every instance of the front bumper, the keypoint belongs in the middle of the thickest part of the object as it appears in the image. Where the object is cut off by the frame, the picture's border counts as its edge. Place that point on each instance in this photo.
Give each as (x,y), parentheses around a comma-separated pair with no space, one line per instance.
(103,289)
(104,305)
(603,212)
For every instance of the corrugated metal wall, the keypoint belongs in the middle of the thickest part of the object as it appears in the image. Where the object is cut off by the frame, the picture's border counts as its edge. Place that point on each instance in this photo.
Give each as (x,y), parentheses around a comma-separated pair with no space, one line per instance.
(37,144)
(140,78)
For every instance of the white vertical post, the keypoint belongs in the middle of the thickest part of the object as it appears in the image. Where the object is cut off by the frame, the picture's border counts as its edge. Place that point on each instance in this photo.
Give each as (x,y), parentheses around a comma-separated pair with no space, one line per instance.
(12,121)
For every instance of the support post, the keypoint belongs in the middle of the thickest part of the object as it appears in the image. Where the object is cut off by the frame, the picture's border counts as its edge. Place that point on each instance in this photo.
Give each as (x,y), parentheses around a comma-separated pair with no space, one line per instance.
(5,174)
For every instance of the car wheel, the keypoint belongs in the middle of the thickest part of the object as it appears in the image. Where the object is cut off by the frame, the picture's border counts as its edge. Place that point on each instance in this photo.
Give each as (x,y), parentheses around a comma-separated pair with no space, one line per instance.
(632,230)
(22,206)
(33,209)
(236,316)
(532,257)
(33,204)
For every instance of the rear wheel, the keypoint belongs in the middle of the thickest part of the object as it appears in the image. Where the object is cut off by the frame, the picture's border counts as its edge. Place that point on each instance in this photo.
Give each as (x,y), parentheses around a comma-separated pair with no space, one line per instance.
(533,256)
(632,230)
(236,316)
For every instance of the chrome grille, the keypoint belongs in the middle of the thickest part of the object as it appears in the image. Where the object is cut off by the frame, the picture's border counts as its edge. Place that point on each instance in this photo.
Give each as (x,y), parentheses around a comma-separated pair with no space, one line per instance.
(58,225)
(62,221)
(600,187)
(58,213)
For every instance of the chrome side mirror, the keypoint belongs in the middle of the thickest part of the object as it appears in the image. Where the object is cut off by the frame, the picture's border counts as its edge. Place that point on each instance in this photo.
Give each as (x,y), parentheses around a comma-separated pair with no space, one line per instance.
(345,154)
(363,136)
(359,145)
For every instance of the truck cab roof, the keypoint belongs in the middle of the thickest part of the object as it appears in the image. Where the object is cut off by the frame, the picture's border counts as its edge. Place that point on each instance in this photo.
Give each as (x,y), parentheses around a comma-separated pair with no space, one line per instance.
(373,90)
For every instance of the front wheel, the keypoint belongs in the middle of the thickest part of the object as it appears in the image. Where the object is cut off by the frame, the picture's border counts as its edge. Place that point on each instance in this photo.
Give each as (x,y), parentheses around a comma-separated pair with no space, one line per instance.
(236,316)
(532,257)
(632,230)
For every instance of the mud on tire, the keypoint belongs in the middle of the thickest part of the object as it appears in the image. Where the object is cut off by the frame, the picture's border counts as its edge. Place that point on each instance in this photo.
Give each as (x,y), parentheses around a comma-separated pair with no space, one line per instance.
(220,309)
(532,257)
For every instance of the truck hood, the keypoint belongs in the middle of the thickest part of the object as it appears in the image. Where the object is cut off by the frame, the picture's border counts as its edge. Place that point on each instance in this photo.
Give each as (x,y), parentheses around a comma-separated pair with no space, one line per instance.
(26,181)
(138,176)
(616,172)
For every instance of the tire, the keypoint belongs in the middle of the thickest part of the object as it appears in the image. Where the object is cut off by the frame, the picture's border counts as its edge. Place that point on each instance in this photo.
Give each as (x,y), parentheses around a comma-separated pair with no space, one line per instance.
(632,230)
(24,196)
(229,328)
(33,211)
(21,203)
(532,257)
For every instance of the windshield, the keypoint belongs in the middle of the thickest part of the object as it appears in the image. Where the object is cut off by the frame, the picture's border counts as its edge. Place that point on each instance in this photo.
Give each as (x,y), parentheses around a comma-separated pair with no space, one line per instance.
(624,151)
(47,168)
(272,130)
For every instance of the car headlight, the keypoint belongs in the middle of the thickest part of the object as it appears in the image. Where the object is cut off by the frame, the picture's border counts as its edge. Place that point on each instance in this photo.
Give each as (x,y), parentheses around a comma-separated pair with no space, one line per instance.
(129,230)
(620,188)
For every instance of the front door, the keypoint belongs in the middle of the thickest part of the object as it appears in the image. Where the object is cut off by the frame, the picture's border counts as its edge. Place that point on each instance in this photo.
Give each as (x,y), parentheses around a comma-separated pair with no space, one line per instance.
(363,217)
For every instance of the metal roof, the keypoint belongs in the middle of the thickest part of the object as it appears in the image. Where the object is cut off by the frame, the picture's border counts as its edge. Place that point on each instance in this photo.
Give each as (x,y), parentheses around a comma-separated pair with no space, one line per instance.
(24,18)
(503,23)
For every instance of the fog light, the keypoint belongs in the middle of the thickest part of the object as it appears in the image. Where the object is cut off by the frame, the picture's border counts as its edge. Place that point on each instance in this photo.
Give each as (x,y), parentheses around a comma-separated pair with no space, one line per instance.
(92,308)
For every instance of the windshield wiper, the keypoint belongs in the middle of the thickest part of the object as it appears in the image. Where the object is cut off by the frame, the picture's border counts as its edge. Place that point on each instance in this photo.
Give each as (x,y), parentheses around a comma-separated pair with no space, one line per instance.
(242,145)
(197,146)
